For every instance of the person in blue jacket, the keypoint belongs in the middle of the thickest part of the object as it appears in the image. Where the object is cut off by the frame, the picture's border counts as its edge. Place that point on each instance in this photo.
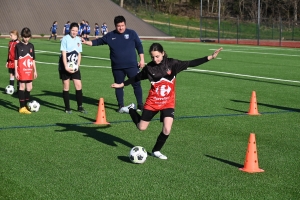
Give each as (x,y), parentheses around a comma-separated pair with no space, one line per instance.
(53,30)
(123,44)
(66,30)
(97,30)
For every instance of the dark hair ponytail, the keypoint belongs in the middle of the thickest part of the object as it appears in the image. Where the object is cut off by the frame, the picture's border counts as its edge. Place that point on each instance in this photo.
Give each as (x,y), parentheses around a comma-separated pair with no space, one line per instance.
(157,47)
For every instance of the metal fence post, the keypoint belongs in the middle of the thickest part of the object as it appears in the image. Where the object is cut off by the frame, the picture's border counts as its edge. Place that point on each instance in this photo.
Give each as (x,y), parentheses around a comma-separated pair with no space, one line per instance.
(293,30)
(187,28)
(258,22)
(200,20)
(237,31)
(169,25)
(280,32)
(272,29)
(219,21)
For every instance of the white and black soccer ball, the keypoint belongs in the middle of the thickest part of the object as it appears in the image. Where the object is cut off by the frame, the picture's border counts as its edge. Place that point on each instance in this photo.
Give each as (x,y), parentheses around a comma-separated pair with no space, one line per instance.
(9,89)
(33,106)
(138,155)
(73,66)
(73,57)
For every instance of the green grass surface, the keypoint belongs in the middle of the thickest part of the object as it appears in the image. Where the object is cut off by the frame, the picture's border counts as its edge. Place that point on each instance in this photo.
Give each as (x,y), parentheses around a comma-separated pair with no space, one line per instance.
(53,155)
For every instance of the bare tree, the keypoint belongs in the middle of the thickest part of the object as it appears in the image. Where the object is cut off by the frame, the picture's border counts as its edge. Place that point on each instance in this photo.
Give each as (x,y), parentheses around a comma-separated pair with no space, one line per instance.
(241,8)
(208,6)
(251,9)
(296,2)
(170,4)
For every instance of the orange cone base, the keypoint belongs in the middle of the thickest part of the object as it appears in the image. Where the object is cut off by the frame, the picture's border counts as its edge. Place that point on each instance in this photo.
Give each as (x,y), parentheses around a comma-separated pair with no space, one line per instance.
(251,170)
(102,123)
(250,113)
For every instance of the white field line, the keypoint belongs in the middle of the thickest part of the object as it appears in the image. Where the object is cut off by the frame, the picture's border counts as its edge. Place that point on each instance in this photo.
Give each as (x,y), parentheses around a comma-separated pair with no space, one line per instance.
(247,47)
(46,63)
(243,75)
(58,53)
(197,70)
(252,52)
(189,69)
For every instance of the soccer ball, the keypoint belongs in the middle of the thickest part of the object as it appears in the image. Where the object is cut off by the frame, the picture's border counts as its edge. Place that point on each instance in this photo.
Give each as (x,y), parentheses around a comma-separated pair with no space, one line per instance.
(73,66)
(33,106)
(9,89)
(138,155)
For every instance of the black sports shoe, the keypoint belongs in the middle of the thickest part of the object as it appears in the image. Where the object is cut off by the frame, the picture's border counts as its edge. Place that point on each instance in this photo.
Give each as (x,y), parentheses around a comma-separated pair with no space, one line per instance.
(81,109)
(140,108)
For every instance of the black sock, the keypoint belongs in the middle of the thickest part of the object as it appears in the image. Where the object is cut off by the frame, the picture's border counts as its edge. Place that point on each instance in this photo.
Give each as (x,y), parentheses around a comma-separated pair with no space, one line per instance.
(27,96)
(55,37)
(161,140)
(18,86)
(136,118)
(12,82)
(21,95)
(79,98)
(66,100)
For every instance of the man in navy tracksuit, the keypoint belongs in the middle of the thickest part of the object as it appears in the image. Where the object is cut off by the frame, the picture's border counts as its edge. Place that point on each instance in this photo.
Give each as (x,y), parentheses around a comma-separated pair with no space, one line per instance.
(123,44)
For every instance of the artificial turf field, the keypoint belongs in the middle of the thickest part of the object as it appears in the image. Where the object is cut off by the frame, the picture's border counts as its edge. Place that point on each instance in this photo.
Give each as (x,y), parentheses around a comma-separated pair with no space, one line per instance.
(54,155)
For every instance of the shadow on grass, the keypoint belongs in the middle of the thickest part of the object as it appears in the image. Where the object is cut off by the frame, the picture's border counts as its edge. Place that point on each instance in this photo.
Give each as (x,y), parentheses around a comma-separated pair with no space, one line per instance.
(2,90)
(125,159)
(267,105)
(100,136)
(9,105)
(95,133)
(241,111)
(226,161)
(85,100)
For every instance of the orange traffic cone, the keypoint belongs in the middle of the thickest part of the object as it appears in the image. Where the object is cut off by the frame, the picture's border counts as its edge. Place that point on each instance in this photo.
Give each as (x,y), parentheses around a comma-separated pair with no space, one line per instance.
(251,161)
(101,116)
(253,105)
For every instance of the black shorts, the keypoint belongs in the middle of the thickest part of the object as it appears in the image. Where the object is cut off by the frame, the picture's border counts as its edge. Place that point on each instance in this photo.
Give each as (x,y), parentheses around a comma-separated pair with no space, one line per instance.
(11,71)
(25,81)
(148,115)
(64,75)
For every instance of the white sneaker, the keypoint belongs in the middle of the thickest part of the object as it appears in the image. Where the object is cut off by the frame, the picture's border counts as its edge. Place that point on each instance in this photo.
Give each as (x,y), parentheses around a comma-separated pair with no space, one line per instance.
(125,109)
(159,155)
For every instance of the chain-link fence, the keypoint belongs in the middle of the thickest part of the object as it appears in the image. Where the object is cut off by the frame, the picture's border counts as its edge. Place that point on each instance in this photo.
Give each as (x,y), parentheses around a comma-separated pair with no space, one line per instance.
(212,29)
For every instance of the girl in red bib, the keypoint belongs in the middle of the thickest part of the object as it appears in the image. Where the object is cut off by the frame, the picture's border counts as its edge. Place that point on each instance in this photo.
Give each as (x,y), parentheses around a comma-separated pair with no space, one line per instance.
(10,64)
(161,72)
(25,68)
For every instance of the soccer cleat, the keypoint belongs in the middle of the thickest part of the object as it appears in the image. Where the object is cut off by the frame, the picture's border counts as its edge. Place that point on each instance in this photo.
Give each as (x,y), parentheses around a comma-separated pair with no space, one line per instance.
(81,109)
(24,110)
(140,108)
(68,111)
(159,155)
(125,109)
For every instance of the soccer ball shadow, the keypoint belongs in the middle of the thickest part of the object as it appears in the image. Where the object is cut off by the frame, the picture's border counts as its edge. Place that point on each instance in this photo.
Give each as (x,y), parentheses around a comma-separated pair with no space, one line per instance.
(124,159)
